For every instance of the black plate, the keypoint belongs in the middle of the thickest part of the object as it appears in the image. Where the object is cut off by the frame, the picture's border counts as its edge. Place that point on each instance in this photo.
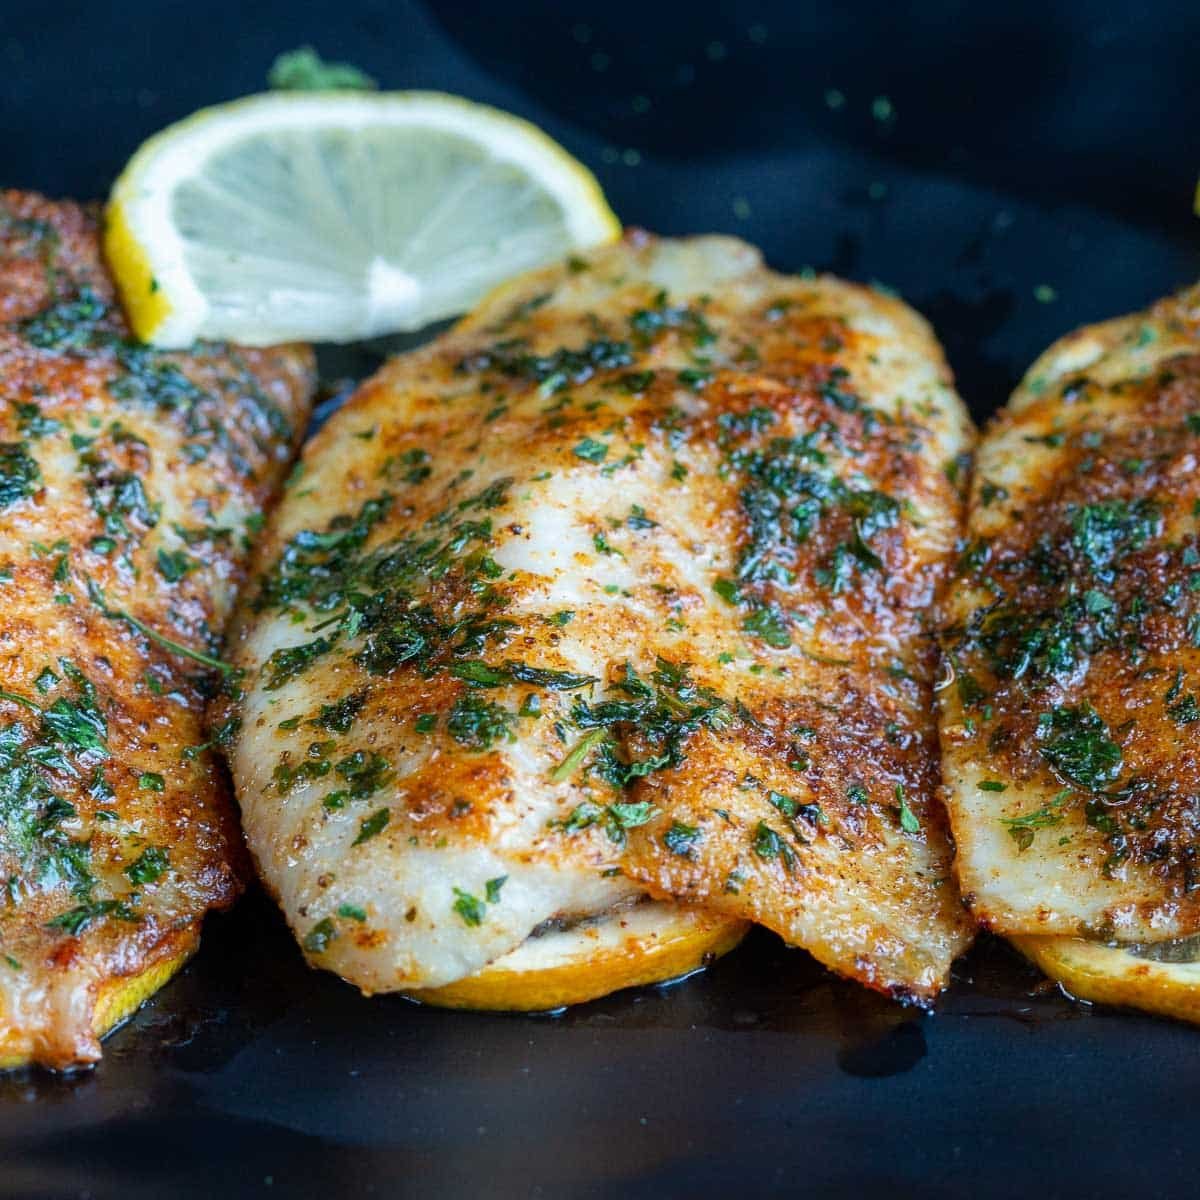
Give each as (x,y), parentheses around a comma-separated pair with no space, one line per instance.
(973,160)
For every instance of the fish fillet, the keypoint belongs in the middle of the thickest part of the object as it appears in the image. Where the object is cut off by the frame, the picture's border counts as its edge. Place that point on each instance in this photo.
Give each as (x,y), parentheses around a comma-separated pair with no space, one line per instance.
(130,482)
(1070,727)
(618,589)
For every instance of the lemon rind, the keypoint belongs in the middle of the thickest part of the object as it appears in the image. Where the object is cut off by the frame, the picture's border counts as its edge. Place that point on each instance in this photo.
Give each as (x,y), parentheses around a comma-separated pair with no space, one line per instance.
(1112,975)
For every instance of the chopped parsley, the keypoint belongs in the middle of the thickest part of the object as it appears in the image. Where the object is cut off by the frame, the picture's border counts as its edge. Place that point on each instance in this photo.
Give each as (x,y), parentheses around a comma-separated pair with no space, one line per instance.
(1106,531)
(1022,829)
(471,909)
(591,450)
(478,724)
(339,716)
(148,867)
(908,819)
(574,758)
(651,720)
(372,826)
(770,845)
(555,371)
(681,839)
(1076,744)
(304,70)
(173,565)
(317,940)
(615,819)
(20,475)
(75,920)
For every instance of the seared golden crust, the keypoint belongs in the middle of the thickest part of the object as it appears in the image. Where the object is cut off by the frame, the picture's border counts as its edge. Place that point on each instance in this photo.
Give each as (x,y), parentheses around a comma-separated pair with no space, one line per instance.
(48,252)
(621,585)
(1070,732)
(129,482)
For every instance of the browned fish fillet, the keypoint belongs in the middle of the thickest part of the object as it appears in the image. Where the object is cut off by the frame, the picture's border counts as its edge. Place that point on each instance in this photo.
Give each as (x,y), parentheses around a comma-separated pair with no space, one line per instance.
(617,589)
(130,484)
(1070,730)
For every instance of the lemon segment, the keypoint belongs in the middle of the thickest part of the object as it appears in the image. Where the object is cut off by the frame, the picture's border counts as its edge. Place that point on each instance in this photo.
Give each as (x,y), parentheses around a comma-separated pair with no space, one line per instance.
(1117,975)
(336,216)
(649,943)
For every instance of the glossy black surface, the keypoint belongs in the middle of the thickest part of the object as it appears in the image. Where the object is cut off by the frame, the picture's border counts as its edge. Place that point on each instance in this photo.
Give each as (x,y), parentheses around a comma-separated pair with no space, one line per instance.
(1031,146)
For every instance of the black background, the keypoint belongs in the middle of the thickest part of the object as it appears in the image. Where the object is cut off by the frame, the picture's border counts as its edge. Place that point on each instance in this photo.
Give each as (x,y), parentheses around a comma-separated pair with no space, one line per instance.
(1032,150)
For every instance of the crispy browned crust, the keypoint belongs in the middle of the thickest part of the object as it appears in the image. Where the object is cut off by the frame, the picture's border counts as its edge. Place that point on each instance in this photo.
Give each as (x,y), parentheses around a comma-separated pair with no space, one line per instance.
(147,466)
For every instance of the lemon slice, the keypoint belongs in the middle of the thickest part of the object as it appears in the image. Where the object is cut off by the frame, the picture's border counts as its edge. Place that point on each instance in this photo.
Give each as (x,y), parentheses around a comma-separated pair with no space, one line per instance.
(335,216)
(1162,978)
(650,943)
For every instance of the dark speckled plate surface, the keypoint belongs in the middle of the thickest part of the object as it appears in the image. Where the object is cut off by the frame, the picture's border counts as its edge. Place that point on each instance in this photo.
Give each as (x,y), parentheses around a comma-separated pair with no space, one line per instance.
(973,157)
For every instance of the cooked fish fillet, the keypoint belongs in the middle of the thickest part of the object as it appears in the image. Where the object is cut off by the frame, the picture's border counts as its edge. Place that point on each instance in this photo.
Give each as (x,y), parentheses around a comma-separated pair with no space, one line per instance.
(129,483)
(1070,730)
(617,589)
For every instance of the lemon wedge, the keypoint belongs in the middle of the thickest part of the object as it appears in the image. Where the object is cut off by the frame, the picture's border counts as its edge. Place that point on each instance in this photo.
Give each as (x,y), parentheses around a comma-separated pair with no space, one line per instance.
(1163,978)
(336,216)
(650,943)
